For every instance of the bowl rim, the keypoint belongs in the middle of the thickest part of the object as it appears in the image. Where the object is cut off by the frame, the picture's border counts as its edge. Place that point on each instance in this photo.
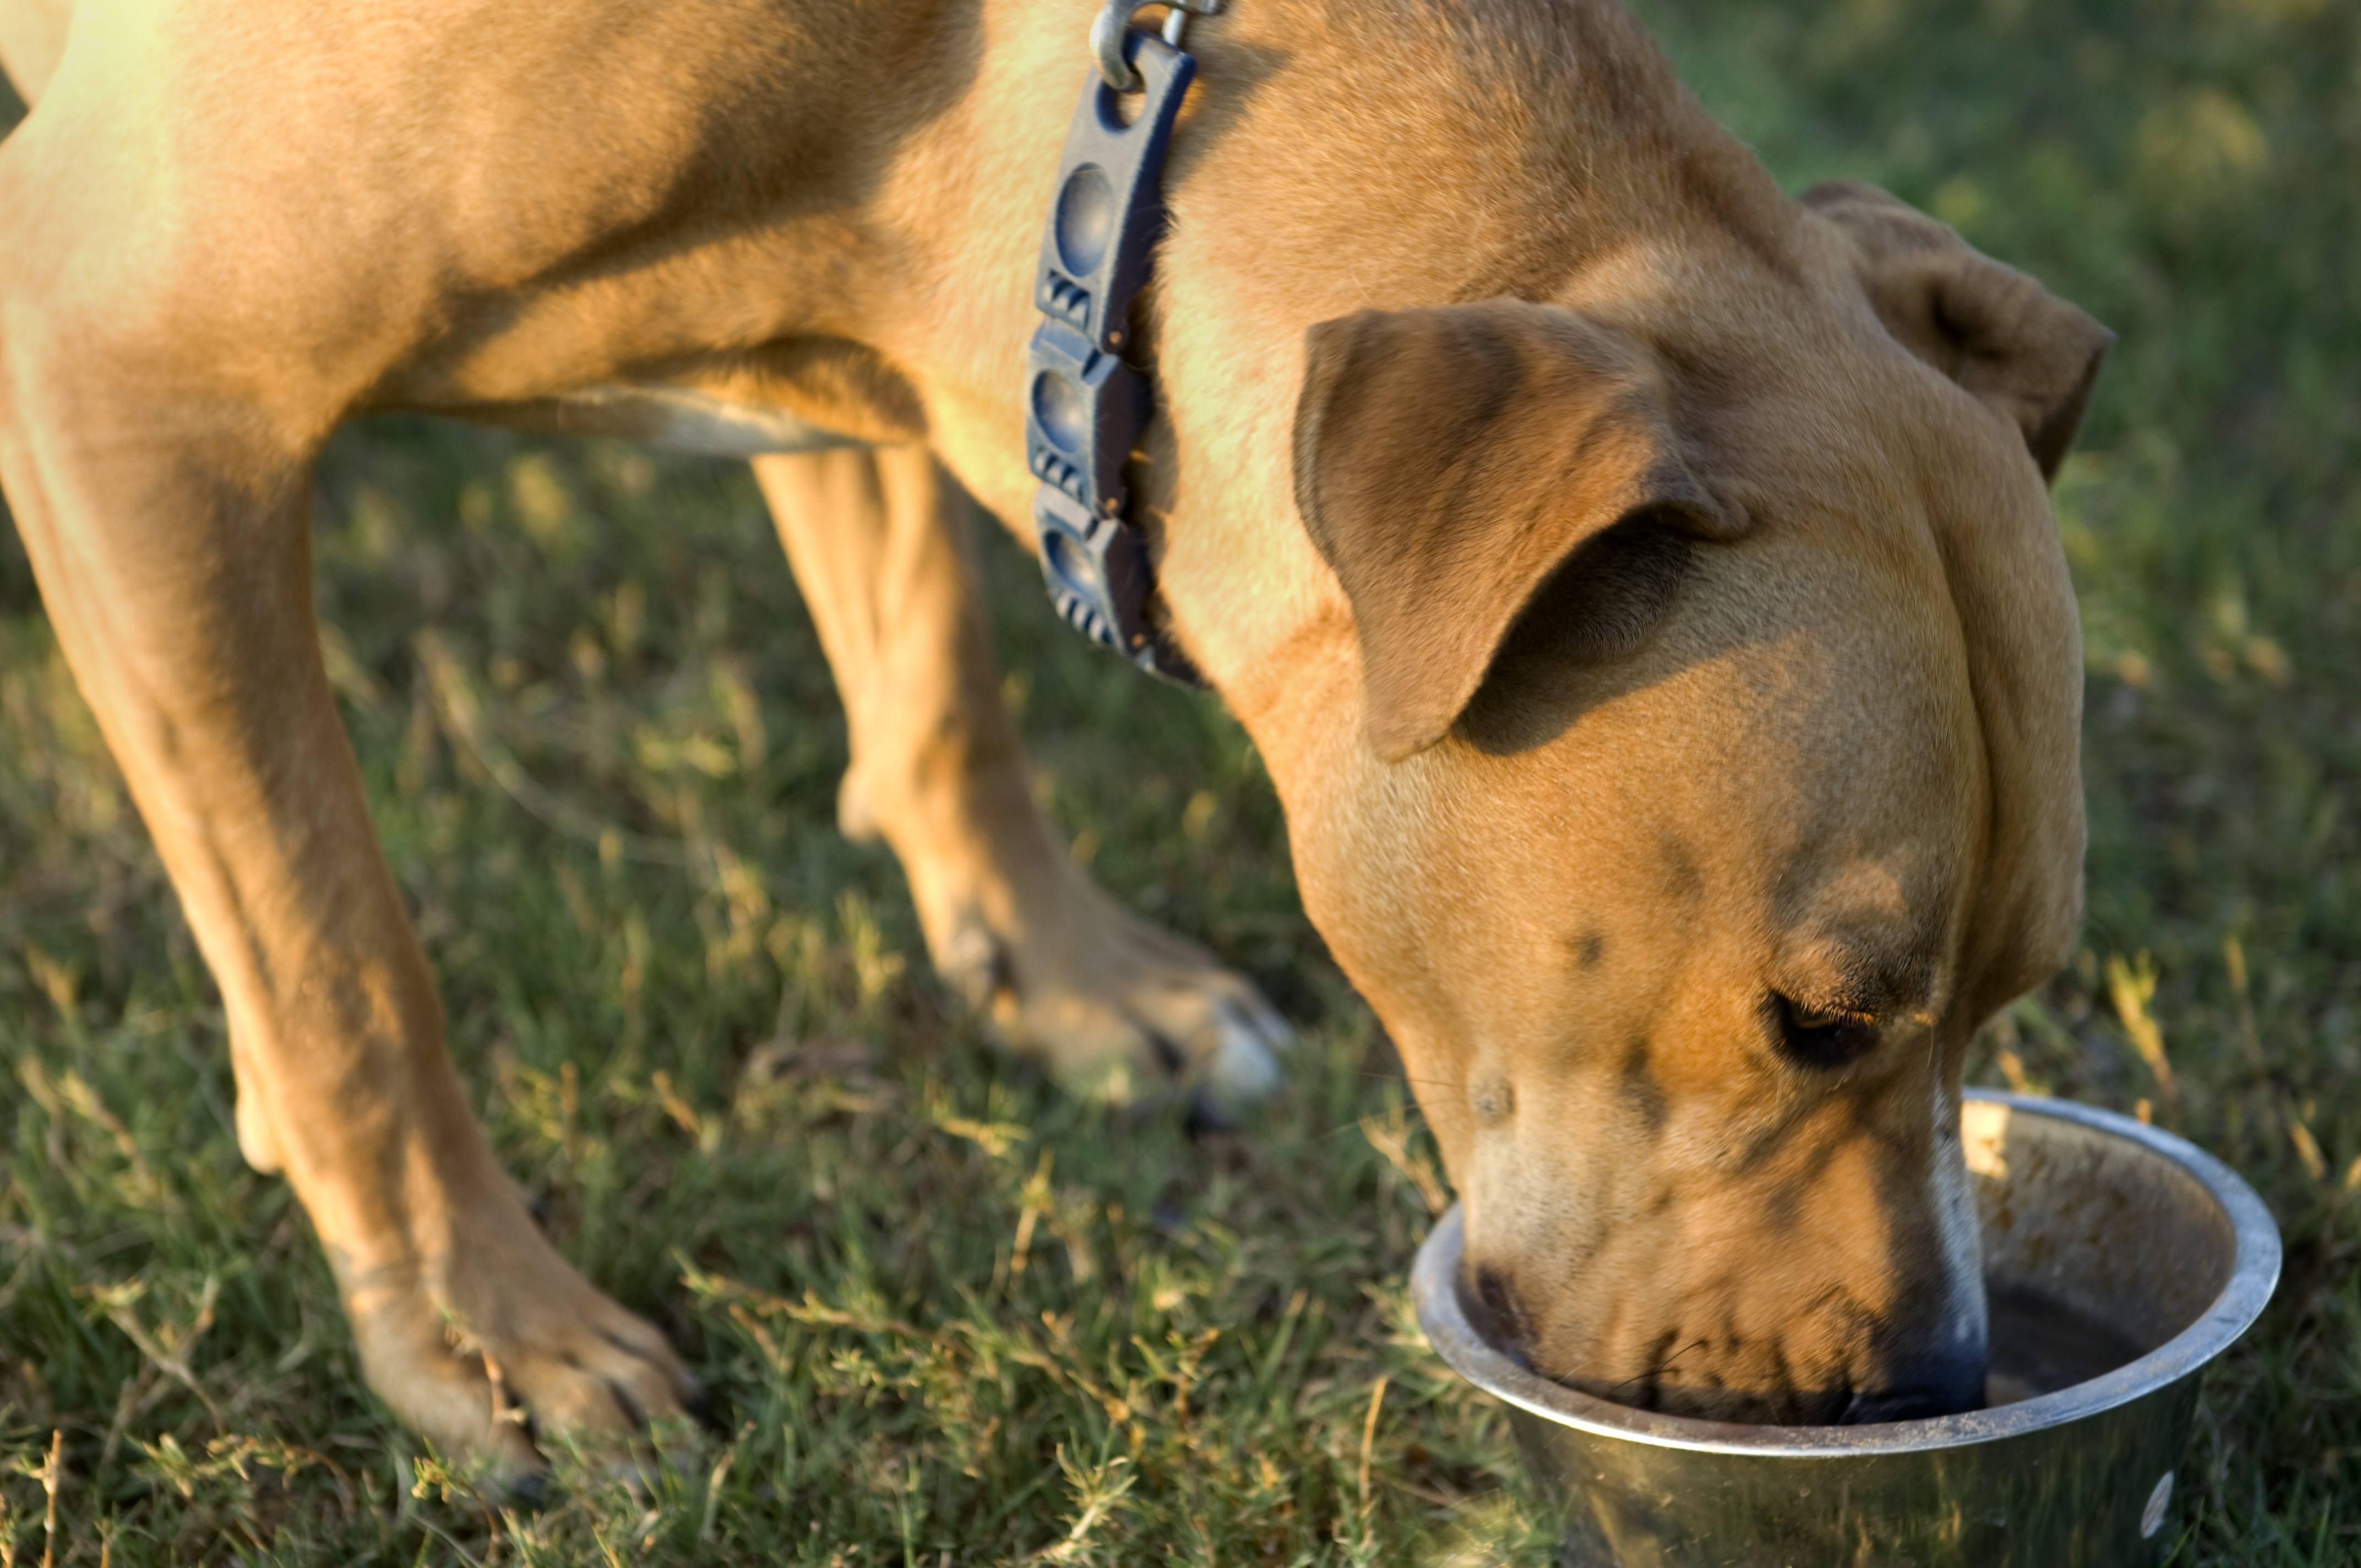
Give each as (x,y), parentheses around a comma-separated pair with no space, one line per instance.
(2254,1275)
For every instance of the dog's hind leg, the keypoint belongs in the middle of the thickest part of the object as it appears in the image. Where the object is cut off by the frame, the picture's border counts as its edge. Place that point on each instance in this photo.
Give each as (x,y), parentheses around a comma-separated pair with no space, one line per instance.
(882,544)
(156,447)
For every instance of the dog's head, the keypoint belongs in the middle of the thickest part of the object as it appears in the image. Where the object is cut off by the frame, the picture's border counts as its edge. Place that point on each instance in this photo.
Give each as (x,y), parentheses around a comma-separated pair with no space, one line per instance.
(1715,775)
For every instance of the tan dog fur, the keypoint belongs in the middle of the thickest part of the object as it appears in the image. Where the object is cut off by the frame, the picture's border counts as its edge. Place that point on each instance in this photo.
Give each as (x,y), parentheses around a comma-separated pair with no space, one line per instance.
(1828,752)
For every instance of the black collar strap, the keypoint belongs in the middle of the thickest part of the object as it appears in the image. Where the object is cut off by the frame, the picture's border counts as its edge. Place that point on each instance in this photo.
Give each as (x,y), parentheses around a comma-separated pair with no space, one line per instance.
(1084,407)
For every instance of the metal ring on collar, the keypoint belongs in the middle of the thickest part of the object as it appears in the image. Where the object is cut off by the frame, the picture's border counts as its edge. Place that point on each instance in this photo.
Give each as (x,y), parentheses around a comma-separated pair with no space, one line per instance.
(1115,20)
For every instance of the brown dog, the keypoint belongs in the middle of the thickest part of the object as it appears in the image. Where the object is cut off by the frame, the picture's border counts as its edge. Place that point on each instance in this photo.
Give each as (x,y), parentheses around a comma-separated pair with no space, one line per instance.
(1640,586)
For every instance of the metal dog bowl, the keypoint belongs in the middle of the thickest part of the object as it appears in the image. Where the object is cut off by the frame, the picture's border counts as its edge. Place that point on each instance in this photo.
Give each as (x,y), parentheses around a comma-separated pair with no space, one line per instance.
(2087,1217)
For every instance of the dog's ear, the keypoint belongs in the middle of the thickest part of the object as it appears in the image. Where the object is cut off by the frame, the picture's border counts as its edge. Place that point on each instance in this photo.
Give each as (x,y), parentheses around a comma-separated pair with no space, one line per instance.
(2024,351)
(1448,460)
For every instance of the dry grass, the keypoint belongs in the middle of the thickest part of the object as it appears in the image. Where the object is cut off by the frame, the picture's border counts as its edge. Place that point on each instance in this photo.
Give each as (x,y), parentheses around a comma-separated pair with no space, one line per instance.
(952,1317)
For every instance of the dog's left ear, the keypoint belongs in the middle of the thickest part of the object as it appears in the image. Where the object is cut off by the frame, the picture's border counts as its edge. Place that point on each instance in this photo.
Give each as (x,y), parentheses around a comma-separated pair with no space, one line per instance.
(2028,353)
(1452,461)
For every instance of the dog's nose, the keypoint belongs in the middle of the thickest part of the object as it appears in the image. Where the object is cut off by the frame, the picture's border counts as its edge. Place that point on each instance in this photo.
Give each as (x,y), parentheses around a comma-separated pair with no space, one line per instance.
(1940,1383)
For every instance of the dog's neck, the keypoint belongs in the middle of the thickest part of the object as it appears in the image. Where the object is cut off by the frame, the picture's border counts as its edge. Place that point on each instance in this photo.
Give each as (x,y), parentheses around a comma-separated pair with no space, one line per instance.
(1501,148)
(1513,149)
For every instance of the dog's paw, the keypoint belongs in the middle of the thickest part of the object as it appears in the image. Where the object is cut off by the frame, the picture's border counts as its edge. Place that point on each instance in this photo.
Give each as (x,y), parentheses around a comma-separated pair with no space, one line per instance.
(1117,1009)
(507,1359)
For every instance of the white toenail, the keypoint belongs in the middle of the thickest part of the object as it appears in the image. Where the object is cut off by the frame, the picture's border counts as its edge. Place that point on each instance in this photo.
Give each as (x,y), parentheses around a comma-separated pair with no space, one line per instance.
(1243,1069)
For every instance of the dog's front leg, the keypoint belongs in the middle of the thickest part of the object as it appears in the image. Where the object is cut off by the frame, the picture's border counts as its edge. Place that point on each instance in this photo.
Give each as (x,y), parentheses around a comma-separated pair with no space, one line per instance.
(165,516)
(882,544)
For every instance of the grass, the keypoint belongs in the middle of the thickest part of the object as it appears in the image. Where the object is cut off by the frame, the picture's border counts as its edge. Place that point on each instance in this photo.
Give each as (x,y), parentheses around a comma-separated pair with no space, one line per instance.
(952,1317)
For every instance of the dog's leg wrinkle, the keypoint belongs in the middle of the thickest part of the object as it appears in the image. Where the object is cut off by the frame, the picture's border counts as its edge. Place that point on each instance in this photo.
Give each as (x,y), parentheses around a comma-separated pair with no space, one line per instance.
(633,1416)
(1168,1055)
(977,964)
(882,546)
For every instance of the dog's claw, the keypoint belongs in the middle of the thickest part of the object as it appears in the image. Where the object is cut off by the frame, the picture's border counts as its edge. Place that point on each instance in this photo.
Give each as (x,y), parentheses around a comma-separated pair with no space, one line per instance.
(506,1358)
(1117,1009)
(1245,1066)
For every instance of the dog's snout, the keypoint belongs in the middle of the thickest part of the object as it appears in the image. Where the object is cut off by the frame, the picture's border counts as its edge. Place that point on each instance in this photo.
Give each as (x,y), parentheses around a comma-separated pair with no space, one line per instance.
(1939,1383)
(1491,1305)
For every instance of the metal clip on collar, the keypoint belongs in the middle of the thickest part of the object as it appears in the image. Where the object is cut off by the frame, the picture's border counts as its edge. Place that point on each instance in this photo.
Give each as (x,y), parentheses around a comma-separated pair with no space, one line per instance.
(1114,25)
(1084,407)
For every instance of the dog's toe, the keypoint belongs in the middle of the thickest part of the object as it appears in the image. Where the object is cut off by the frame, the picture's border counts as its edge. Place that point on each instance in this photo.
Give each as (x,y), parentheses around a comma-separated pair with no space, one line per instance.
(1188,1026)
(1117,1009)
(514,1361)
(1242,1069)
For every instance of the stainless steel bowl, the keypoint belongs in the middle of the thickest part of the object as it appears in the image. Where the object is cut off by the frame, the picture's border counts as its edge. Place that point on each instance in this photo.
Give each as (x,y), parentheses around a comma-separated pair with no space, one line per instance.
(2110,1219)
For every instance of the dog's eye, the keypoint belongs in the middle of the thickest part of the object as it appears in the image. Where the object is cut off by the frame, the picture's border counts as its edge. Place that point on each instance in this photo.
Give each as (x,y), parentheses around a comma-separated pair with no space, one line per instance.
(1819,1037)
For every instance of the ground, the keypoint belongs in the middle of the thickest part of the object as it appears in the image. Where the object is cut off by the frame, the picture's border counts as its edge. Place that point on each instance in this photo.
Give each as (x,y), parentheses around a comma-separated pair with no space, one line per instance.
(950,1317)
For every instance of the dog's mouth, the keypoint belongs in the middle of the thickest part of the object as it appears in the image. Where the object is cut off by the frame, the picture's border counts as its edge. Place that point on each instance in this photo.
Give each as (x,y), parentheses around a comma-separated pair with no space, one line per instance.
(1488,1301)
(1490,1306)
